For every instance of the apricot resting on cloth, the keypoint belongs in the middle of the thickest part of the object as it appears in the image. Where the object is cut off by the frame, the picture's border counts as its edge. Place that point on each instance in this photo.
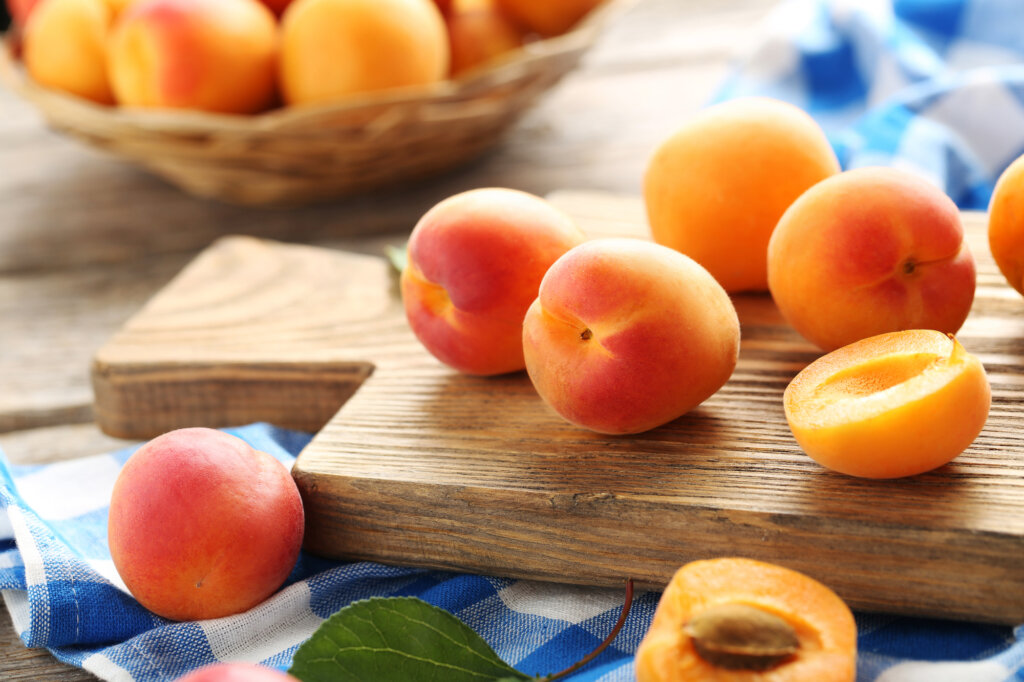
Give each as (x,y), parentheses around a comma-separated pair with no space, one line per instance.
(475,263)
(739,620)
(870,251)
(717,187)
(892,405)
(1006,224)
(627,335)
(202,525)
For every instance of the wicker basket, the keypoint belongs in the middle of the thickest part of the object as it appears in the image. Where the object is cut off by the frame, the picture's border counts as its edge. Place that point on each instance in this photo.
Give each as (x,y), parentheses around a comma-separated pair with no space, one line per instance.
(297,155)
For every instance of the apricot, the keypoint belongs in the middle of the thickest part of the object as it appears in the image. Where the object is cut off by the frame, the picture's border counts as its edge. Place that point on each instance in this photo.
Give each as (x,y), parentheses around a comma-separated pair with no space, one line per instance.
(1006,224)
(202,525)
(277,6)
(740,620)
(870,251)
(627,335)
(21,10)
(332,49)
(547,17)
(892,405)
(716,188)
(478,33)
(475,262)
(236,672)
(64,47)
(194,54)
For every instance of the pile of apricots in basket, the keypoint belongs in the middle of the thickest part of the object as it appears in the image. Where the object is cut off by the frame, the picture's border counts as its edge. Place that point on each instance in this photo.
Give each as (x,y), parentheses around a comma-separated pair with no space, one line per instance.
(248,56)
(623,335)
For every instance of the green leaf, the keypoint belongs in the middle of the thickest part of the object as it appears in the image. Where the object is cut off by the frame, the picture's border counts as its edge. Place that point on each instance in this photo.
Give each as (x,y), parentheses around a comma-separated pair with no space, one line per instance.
(398,639)
(398,255)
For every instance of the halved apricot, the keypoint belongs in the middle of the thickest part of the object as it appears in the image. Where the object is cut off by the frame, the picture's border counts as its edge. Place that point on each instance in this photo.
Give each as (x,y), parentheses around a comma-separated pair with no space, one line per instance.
(891,405)
(740,620)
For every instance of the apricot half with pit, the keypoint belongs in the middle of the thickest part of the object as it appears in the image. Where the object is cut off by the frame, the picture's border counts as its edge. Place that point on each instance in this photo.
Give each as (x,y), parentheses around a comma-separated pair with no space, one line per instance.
(740,620)
(892,405)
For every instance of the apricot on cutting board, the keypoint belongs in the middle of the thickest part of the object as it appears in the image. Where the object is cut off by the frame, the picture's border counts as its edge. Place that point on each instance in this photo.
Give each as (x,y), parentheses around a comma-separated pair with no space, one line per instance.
(626,335)
(475,262)
(716,188)
(1006,224)
(740,620)
(870,251)
(892,405)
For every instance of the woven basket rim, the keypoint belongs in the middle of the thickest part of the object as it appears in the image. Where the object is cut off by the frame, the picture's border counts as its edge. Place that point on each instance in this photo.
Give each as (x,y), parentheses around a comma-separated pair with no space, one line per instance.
(183,121)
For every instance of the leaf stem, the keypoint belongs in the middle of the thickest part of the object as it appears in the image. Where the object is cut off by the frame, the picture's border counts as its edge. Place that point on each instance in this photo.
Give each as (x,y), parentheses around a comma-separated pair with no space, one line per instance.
(603,645)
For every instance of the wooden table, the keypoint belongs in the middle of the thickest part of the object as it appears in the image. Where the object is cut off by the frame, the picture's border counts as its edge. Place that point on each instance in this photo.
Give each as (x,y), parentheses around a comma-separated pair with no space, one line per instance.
(86,239)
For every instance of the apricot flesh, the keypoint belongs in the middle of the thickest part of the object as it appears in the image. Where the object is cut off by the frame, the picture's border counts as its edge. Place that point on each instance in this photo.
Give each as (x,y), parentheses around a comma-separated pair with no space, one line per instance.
(892,405)
(824,627)
(1006,224)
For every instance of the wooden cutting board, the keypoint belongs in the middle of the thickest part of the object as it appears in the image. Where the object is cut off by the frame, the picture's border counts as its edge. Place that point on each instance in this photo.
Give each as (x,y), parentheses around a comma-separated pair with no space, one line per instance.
(426,467)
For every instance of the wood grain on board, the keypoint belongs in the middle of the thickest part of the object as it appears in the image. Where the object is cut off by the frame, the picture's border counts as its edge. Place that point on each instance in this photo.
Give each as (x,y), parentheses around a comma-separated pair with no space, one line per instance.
(427,467)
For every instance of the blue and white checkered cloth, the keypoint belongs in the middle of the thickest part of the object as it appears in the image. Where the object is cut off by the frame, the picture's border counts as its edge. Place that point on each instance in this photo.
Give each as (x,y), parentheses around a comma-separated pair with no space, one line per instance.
(63,593)
(931,86)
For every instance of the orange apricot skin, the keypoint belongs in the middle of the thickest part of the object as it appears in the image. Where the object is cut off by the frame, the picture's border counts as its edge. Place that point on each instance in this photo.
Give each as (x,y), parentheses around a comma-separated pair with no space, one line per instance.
(65,47)
(627,335)
(193,54)
(823,623)
(1006,224)
(870,251)
(547,17)
(478,33)
(910,438)
(716,188)
(202,526)
(332,49)
(475,262)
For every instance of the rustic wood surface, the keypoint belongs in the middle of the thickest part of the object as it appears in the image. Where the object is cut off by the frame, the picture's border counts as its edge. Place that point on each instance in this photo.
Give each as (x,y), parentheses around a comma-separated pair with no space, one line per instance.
(86,240)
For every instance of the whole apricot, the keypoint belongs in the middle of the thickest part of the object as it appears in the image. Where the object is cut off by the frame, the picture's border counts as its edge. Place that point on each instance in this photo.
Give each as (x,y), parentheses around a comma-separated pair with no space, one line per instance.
(547,17)
(65,47)
(277,6)
(892,405)
(478,33)
(475,262)
(332,49)
(21,10)
(627,335)
(236,672)
(716,188)
(740,620)
(193,54)
(870,251)
(202,525)
(1006,224)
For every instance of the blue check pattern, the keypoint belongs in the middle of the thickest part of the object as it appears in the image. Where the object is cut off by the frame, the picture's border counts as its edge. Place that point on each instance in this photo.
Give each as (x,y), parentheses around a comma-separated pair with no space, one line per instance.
(63,593)
(932,86)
